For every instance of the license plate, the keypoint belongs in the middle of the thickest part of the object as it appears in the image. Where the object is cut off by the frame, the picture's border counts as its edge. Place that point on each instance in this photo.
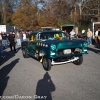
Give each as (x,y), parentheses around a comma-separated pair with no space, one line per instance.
(67,51)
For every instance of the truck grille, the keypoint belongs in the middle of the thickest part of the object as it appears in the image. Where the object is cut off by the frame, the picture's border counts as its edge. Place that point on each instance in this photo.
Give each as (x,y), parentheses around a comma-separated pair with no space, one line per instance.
(60,51)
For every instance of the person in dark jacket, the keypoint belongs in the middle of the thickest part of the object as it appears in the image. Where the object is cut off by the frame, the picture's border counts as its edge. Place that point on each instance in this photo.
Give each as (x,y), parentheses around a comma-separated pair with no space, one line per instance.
(11,39)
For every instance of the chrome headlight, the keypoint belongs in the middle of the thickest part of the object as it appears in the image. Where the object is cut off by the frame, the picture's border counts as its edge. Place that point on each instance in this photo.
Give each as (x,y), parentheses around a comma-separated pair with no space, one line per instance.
(53,47)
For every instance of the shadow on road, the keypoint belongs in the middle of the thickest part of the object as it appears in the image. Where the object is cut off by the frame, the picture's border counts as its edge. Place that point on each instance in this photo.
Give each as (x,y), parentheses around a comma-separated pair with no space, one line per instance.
(95,50)
(44,88)
(6,56)
(4,75)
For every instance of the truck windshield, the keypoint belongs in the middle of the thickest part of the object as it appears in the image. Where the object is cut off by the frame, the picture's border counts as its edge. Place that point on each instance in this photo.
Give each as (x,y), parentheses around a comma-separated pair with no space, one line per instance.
(51,35)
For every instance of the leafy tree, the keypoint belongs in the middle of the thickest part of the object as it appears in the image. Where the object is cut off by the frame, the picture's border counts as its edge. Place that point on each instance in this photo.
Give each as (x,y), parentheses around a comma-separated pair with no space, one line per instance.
(25,16)
(6,10)
(34,14)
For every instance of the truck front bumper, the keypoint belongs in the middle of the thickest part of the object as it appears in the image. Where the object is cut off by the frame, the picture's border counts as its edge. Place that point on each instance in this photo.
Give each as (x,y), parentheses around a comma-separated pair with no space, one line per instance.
(70,60)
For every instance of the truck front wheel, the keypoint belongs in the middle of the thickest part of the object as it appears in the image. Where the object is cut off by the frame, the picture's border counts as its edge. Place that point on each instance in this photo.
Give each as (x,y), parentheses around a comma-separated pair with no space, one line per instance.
(79,61)
(25,55)
(46,63)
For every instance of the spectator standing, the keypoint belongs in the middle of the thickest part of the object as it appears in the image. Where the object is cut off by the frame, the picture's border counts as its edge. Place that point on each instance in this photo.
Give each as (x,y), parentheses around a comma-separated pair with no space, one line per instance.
(96,33)
(18,38)
(4,39)
(11,39)
(24,35)
(83,32)
(29,36)
(66,34)
(89,36)
(72,34)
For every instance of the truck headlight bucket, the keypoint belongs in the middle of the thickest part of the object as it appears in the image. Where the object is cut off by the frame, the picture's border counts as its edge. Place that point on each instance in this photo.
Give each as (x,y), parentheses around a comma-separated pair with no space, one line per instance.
(53,47)
(85,44)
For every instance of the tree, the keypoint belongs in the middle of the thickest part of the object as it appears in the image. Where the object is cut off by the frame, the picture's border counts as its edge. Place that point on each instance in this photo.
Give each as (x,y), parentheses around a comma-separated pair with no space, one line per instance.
(34,14)
(25,16)
(6,11)
(91,10)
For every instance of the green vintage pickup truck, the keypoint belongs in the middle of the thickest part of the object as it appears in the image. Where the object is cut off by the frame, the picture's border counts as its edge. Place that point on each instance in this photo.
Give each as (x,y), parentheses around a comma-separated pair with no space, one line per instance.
(52,47)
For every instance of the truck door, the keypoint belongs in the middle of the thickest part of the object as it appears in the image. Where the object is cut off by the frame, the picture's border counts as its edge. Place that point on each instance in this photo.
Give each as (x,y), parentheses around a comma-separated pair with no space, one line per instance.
(32,45)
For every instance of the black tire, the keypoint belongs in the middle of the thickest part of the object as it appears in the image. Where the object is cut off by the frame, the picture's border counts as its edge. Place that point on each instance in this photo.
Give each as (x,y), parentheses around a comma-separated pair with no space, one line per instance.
(46,63)
(79,61)
(25,54)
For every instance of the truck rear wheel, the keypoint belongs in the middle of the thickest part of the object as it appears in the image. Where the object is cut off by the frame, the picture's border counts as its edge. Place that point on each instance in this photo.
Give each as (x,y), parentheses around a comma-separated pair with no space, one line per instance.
(46,63)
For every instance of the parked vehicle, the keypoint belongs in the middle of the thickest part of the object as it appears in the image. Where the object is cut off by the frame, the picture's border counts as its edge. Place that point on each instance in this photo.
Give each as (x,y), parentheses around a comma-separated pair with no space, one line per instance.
(52,47)
(6,28)
(67,27)
(94,27)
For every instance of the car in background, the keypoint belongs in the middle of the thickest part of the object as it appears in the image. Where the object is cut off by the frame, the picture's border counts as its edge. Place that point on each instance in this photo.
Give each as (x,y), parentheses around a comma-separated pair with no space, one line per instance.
(52,48)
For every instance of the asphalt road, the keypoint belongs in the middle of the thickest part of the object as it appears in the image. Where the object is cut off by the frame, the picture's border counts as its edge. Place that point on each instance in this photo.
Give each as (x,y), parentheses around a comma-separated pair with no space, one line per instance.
(25,79)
